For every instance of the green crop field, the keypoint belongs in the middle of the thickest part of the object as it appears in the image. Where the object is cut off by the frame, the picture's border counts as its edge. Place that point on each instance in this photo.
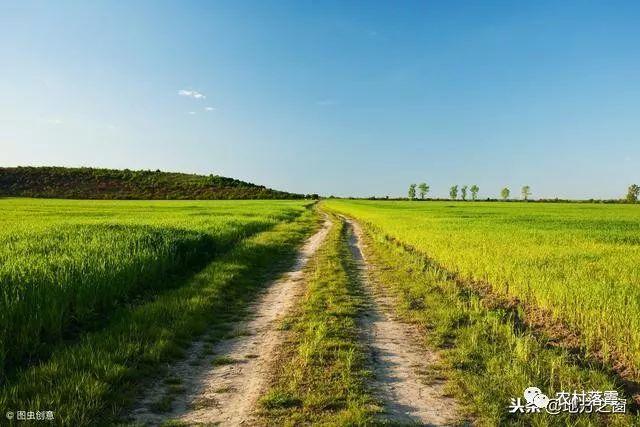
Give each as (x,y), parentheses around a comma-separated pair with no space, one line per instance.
(72,271)
(100,297)
(578,262)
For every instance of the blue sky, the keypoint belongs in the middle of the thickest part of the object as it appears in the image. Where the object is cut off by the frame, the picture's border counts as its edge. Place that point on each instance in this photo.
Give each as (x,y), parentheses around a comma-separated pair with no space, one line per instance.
(345,98)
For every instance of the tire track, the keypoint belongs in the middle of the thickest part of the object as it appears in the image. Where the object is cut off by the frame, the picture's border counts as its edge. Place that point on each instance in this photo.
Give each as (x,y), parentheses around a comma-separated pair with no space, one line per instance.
(404,379)
(224,387)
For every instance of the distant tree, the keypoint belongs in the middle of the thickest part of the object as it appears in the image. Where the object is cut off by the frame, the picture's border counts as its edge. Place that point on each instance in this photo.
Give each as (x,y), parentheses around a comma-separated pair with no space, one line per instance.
(412,191)
(505,193)
(453,192)
(424,189)
(526,192)
(633,193)
(474,191)
(463,192)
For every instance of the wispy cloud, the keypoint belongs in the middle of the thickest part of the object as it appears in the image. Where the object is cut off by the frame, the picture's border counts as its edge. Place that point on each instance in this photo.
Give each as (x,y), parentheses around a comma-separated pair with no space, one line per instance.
(191,112)
(191,94)
(54,121)
(210,108)
(327,102)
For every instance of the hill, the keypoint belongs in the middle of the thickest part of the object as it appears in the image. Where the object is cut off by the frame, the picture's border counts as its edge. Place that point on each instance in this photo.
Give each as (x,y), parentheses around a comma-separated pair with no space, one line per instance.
(90,183)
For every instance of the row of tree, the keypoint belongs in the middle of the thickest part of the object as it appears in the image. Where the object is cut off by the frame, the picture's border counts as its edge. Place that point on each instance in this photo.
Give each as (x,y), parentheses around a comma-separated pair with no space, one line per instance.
(474,189)
(633,192)
(525,191)
(422,189)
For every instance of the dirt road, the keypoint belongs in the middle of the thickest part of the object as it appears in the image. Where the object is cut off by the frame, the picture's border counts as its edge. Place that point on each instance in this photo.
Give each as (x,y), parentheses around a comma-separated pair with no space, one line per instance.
(223,388)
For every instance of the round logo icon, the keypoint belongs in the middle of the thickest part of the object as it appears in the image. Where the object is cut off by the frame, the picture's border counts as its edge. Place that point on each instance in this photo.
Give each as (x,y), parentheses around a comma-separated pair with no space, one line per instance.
(534,396)
(530,393)
(541,401)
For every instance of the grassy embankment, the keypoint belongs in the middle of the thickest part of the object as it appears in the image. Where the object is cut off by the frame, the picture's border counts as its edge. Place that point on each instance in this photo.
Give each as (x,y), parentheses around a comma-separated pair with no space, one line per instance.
(488,351)
(107,341)
(321,372)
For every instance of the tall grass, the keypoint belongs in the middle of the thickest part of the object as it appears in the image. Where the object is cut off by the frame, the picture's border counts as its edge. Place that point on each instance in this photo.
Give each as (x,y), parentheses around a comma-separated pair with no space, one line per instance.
(484,353)
(92,381)
(580,262)
(65,265)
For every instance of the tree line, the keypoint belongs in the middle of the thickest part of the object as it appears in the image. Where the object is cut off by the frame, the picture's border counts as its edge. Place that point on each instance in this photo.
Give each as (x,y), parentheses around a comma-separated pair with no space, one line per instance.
(98,183)
(422,189)
(463,191)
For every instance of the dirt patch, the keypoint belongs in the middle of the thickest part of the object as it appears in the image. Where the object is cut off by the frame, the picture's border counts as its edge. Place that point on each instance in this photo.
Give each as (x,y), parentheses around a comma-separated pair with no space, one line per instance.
(406,377)
(222,384)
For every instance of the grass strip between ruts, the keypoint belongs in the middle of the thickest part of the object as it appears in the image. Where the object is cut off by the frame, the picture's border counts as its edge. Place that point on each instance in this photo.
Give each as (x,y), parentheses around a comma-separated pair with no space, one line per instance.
(320,374)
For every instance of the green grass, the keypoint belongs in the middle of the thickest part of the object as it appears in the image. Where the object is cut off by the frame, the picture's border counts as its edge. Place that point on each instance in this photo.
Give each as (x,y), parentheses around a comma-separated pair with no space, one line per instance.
(97,296)
(64,265)
(578,262)
(320,379)
(91,379)
(487,355)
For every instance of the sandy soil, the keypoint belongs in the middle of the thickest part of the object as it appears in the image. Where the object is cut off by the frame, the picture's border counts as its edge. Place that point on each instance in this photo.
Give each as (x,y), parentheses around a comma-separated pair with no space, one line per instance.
(405,379)
(223,388)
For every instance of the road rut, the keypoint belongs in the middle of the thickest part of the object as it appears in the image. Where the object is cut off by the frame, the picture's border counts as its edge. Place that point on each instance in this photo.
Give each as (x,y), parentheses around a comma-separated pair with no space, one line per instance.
(223,388)
(399,362)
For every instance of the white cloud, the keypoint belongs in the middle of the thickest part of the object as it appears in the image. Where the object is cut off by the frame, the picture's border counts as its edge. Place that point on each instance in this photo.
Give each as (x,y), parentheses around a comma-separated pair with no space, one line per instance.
(191,112)
(326,102)
(191,94)
(209,108)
